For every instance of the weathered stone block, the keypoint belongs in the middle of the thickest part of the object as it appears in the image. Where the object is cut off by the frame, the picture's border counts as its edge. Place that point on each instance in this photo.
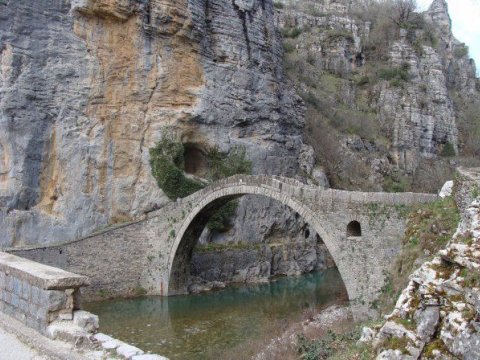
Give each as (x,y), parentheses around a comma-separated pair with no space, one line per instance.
(57,300)
(17,286)
(2,280)
(9,283)
(32,309)
(44,298)
(111,345)
(41,314)
(8,309)
(26,290)
(35,295)
(20,316)
(7,297)
(102,337)
(128,351)
(15,300)
(36,324)
(86,321)
(23,306)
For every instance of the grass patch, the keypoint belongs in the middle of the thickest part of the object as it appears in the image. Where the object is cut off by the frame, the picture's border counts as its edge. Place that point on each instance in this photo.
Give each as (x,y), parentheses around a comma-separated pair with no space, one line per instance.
(408,323)
(395,343)
(393,183)
(140,291)
(471,278)
(438,344)
(334,346)
(288,48)
(444,270)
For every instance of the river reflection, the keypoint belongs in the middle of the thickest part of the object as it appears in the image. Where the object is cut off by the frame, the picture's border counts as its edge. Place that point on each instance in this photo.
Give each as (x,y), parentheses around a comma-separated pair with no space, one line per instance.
(193,326)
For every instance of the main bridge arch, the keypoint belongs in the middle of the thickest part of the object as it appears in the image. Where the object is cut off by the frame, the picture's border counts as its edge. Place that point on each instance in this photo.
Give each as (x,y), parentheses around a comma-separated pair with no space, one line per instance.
(205,204)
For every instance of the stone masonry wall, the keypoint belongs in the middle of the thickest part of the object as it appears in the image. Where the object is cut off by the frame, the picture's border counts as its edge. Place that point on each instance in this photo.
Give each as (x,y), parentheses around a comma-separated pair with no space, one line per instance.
(466,187)
(36,294)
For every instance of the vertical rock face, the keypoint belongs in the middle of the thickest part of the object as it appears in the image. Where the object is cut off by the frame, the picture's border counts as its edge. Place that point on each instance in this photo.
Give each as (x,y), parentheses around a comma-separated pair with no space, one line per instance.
(87,87)
(408,82)
(423,116)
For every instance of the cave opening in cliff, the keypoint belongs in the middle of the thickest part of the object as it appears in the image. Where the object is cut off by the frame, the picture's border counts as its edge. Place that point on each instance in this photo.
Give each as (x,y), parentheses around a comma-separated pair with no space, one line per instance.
(195,160)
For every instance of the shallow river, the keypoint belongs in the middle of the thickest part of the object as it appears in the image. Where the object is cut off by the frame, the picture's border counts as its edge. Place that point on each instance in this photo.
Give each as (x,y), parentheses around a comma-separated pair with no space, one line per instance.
(206,325)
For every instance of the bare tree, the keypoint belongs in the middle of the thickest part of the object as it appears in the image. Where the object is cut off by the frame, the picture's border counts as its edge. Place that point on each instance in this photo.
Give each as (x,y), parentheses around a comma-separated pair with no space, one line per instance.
(403,11)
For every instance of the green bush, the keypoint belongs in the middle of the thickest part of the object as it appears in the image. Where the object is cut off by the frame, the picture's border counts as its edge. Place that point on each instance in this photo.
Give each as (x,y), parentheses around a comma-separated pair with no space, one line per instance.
(396,184)
(288,48)
(362,81)
(338,34)
(461,51)
(167,163)
(278,5)
(448,150)
(390,74)
(223,165)
(292,32)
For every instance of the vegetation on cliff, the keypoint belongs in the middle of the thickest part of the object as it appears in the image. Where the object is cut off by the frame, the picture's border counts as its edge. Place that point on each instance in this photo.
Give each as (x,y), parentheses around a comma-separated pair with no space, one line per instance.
(359,71)
(167,161)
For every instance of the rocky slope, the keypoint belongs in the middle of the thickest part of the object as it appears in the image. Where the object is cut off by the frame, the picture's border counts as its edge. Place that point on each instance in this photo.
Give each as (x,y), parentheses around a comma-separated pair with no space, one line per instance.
(87,87)
(437,316)
(394,92)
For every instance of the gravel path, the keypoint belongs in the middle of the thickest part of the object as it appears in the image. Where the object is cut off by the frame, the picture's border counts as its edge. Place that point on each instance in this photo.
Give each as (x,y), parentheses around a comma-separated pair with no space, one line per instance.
(13,349)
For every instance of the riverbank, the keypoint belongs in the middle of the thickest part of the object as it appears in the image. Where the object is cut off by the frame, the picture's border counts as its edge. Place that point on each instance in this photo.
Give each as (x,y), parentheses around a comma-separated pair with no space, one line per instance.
(333,319)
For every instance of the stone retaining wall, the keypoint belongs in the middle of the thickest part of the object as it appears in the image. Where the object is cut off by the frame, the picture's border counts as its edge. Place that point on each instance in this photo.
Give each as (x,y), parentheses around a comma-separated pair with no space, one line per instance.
(467,187)
(36,294)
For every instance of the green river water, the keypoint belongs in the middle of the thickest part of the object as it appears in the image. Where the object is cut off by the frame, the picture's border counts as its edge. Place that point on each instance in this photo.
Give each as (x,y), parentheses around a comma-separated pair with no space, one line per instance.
(205,325)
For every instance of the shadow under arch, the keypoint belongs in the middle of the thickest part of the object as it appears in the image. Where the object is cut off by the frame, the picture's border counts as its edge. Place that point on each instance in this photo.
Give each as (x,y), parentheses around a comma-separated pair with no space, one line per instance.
(195,222)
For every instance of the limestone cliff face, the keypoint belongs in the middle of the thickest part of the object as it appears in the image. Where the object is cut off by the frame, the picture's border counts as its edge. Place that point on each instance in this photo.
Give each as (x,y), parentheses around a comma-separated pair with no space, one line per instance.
(88,86)
(400,82)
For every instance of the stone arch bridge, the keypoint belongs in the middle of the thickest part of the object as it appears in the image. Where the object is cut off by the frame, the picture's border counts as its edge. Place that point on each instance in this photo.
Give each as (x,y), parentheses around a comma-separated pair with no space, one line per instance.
(362,231)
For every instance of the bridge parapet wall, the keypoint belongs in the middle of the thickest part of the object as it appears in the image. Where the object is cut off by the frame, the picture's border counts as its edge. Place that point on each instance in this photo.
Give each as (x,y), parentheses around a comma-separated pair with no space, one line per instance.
(36,294)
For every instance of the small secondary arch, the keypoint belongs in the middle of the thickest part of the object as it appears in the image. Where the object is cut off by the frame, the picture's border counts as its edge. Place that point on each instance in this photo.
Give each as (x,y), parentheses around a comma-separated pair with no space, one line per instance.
(354,229)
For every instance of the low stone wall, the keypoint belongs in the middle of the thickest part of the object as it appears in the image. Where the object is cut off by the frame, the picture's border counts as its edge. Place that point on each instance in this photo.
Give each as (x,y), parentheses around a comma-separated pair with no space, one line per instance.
(37,294)
(467,187)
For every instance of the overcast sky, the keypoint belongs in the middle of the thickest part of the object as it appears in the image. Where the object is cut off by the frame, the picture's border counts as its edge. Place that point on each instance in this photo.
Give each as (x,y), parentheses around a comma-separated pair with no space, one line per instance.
(465,16)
